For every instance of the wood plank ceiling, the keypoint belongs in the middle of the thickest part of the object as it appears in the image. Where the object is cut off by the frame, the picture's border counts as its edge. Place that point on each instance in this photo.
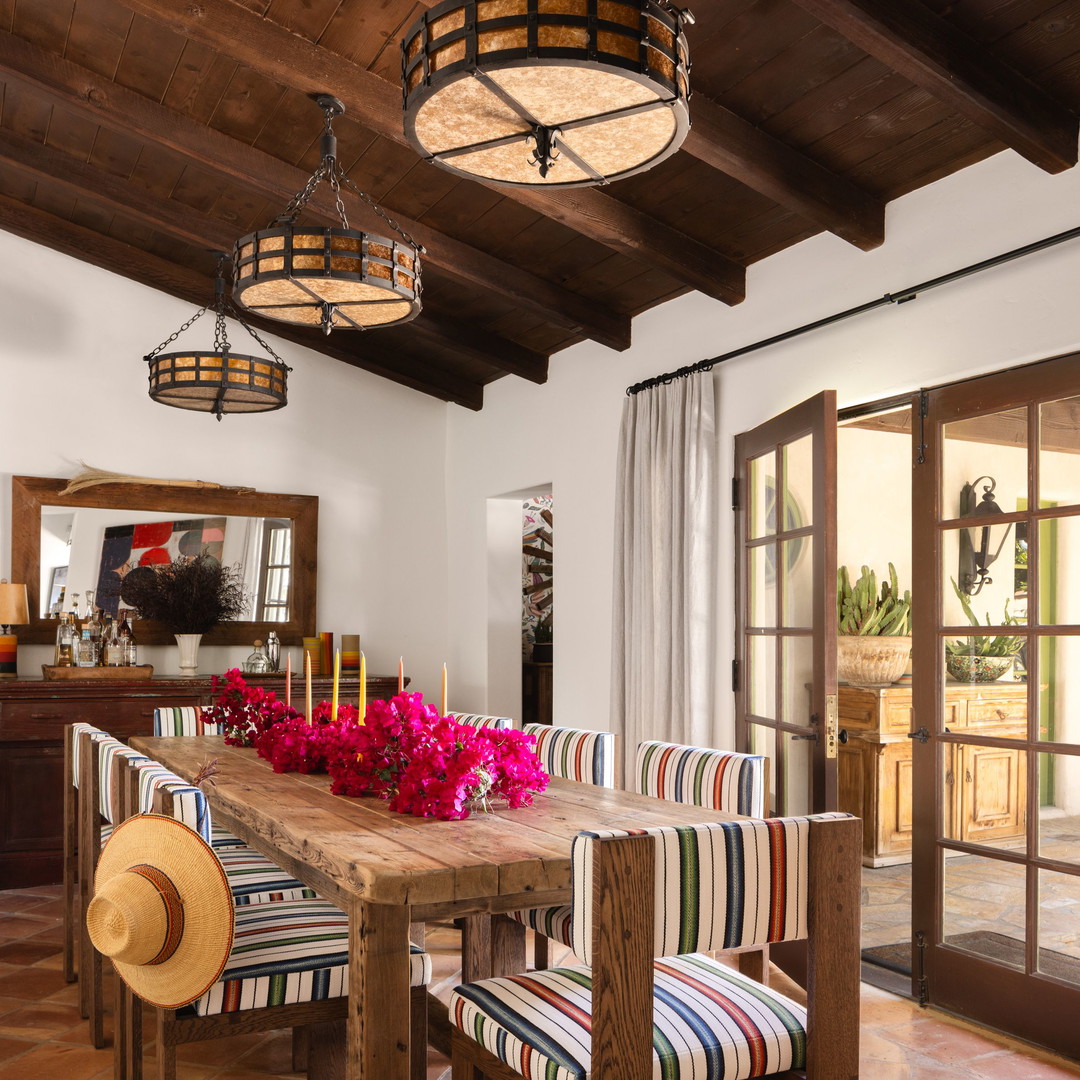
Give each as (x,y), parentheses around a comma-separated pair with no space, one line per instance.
(141,134)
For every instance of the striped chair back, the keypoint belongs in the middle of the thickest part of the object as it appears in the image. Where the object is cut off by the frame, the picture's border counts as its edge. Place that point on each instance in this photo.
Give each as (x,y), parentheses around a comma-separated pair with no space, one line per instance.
(110,752)
(575,753)
(78,730)
(721,779)
(476,720)
(722,885)
(186,720)
(189,803)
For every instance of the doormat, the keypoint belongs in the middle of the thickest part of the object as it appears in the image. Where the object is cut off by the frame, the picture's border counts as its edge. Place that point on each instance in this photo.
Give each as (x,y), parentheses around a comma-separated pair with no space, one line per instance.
(998,947)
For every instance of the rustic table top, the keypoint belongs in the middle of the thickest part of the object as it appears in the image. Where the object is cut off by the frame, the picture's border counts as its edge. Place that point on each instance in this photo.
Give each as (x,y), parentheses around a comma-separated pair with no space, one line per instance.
(348,848)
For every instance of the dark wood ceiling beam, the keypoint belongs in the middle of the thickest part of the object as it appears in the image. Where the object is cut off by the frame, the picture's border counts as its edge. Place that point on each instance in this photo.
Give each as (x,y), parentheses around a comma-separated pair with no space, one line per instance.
(123,110)
(932,53)
(277,53)
(119,196)
(732,145)
(120,258)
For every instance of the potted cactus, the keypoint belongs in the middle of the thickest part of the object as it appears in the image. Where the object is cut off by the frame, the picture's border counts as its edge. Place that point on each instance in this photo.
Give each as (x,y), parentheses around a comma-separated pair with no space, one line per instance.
(874,628)
(982,657)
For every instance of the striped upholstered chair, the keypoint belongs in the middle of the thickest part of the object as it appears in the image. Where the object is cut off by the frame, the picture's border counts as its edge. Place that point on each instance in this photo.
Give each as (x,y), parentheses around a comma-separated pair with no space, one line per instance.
(288,968)
(650,1002)
(478,720)
(183,720)
(727,781)
(573,754)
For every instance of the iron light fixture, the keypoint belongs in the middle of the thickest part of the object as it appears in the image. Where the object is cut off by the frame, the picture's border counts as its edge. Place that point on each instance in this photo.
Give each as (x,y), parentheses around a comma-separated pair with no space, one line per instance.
(980,545)
(220,381)
(328,276)
(530,92)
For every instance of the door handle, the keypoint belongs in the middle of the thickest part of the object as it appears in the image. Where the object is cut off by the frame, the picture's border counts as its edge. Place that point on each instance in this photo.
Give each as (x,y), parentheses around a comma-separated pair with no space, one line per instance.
(922,735)
(843,736)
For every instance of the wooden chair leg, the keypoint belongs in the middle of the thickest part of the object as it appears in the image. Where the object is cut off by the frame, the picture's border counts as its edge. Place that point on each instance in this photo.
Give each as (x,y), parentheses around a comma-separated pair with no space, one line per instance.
(165,1050)
(127,1036)
(418,999)
(301,1041)
(541,952)
(755,964)
(70,868)
(326,1050)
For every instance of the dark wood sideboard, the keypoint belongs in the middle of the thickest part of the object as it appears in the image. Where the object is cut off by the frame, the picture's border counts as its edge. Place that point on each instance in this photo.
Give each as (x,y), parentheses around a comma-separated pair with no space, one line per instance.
(33,713)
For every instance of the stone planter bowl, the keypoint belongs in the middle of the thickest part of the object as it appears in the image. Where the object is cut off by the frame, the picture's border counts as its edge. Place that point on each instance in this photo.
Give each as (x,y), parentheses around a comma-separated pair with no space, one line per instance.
(870,661)
(976,669)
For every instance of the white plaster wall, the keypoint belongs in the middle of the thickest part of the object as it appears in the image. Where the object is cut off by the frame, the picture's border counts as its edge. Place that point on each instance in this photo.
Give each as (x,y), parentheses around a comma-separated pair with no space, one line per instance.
(73,388)
(1019,312)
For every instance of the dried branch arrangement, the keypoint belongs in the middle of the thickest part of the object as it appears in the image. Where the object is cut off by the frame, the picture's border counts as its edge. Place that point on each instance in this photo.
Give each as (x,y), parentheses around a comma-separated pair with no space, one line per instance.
(89,477)
(190,596)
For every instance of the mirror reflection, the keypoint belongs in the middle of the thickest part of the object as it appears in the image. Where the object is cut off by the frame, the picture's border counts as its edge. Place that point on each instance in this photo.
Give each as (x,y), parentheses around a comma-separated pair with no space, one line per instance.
(88,550)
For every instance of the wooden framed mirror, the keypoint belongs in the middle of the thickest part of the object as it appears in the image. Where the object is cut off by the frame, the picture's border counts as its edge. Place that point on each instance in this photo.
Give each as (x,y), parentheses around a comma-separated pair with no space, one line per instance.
(275,535)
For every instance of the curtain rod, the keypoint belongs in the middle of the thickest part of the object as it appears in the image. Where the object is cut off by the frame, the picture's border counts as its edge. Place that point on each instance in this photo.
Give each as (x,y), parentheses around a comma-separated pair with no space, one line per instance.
(901,297)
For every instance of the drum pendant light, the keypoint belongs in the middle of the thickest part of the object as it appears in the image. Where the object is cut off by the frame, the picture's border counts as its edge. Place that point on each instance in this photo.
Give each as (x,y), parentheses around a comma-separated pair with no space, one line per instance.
(555,93)
(328,276)
(220,381)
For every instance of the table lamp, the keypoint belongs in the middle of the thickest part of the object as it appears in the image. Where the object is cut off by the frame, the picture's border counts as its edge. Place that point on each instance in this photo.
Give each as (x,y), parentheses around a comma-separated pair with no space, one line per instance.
(13,612)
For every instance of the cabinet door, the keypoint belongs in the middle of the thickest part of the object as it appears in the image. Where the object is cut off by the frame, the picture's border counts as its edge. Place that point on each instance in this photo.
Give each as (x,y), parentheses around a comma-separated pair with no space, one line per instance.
(32,812)
(992,790)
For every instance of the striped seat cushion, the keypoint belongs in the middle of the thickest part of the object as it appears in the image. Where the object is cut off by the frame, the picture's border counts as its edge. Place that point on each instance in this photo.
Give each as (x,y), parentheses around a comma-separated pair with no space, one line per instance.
(477,720)
(700,776)
(254,879)
(709,1022)
(290,952)
(183,721)
(575,753)
(552,922)
(221,838)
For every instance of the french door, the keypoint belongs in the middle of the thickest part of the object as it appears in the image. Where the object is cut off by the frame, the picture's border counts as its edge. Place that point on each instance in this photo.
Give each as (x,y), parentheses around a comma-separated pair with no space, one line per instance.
(784,497)
(996,870)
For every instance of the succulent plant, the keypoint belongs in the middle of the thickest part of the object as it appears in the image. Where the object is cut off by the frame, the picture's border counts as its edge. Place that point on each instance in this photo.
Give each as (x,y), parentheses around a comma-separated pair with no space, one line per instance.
(860,610)
(984,644)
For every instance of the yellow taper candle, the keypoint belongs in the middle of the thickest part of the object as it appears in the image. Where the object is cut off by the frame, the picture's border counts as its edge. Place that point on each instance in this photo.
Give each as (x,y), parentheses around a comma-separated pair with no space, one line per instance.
(401,675)
(307,684)
(288,680)
(363,687)
(337,680)
(442,700)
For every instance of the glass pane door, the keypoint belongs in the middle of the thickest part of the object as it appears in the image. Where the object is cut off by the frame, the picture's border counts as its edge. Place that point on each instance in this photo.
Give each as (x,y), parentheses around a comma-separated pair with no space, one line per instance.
(997,687)
(786,676)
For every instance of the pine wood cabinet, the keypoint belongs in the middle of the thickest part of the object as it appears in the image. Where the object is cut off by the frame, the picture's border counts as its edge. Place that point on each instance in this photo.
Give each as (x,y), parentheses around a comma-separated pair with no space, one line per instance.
(33,714)
(985,785)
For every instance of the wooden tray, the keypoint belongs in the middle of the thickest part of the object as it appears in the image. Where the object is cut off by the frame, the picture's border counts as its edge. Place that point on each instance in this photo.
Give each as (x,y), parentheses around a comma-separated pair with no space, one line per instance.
(95,674)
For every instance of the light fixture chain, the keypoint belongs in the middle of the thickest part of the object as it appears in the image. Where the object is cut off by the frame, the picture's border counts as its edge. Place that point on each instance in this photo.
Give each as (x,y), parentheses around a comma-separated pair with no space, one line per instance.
(383,214)
(169,340)
(302,197)
(258,337)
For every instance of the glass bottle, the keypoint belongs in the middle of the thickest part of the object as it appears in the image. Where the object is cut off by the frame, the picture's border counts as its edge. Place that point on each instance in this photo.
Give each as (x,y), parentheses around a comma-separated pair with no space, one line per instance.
(93,623)
(75,617)
(258,663)
(273,651)
(86,655)
(65,640)
(114,648)
(131,648)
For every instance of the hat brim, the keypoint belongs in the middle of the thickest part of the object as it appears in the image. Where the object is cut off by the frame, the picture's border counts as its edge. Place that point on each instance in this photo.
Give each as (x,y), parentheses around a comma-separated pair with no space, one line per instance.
(190,863)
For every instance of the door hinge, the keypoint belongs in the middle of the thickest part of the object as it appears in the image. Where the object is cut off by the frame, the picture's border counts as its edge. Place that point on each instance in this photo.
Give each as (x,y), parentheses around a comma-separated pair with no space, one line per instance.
(734,676)
(734,493)
(920,969)
(922,735)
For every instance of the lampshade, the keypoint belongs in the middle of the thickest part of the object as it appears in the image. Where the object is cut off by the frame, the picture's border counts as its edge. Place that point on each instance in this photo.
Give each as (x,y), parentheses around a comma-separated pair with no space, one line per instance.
(560,94)
(213,382)
(219,381)
(328,277)
(14,610)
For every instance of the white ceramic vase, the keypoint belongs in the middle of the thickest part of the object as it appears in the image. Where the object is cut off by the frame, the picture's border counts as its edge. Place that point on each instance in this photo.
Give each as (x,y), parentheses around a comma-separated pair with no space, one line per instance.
(188,644)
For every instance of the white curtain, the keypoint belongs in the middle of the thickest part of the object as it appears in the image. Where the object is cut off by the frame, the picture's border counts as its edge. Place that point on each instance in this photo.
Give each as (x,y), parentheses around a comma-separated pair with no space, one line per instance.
(666,552)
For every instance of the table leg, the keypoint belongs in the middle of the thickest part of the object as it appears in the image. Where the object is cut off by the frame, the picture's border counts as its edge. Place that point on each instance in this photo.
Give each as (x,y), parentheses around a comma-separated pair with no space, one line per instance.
(377,1036)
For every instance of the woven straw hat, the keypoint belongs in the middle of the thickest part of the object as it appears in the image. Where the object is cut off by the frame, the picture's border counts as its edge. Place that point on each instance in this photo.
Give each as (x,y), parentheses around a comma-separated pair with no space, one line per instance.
(162,910)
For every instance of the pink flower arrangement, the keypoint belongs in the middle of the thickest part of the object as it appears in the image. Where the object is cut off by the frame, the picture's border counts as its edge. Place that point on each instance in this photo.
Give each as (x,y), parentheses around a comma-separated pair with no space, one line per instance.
(245,711)
(425,764)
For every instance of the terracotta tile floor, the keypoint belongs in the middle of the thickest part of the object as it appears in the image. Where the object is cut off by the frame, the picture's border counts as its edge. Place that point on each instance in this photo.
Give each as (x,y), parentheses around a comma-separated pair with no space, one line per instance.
(42,1037)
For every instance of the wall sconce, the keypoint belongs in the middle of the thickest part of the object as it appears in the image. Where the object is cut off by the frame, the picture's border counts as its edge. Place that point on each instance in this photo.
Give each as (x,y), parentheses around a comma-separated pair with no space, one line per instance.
(14,611)
(980,545)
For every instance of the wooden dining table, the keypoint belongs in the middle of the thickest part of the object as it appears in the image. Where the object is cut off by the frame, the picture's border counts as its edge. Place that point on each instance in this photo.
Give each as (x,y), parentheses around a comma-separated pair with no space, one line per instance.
(389,871)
